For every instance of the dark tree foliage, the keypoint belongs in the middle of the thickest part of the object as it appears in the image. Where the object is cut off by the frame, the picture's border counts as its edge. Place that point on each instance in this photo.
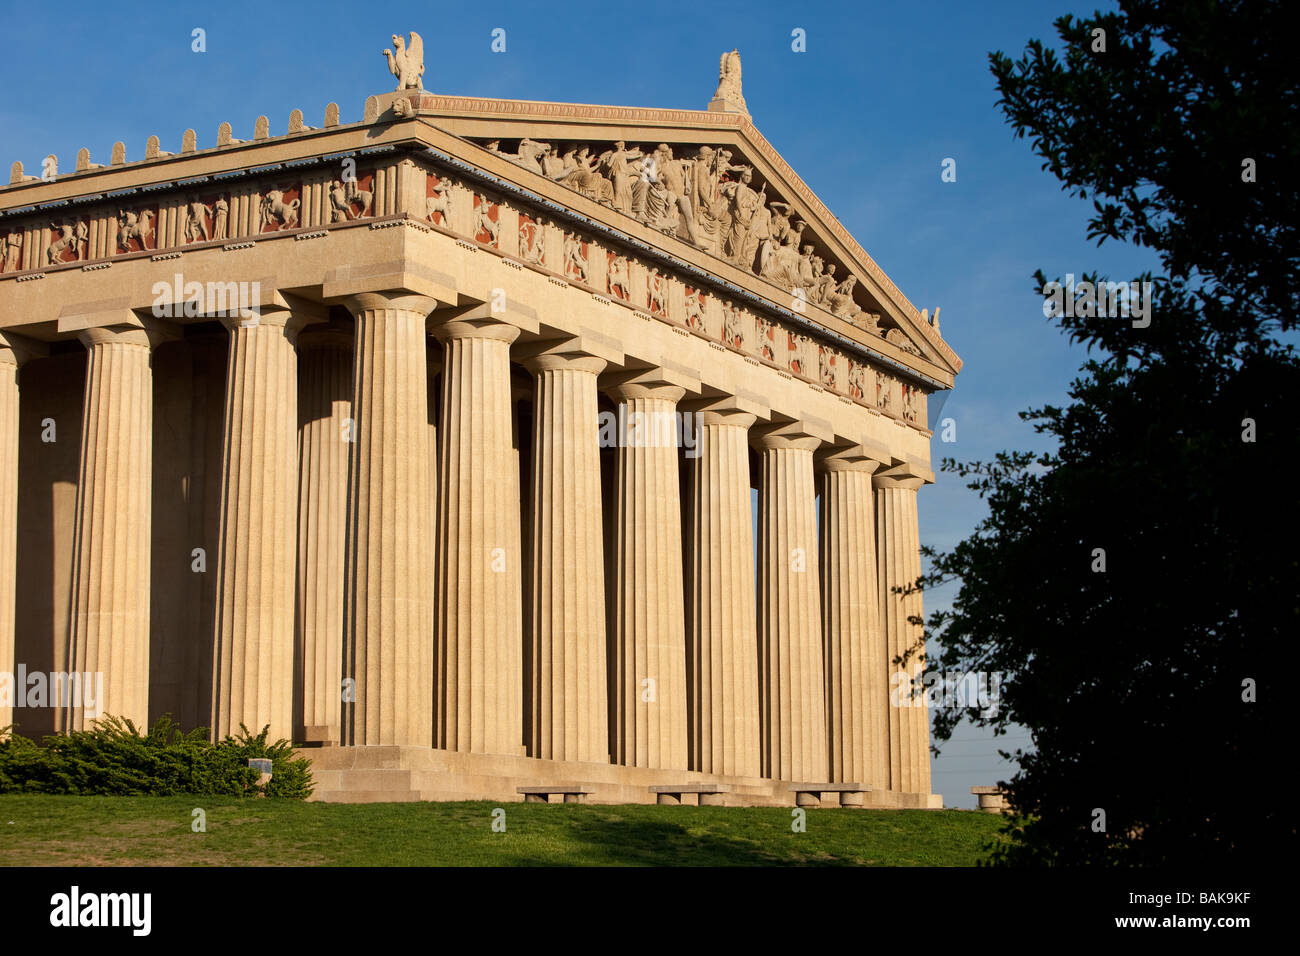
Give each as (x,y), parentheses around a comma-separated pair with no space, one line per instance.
(1132,679)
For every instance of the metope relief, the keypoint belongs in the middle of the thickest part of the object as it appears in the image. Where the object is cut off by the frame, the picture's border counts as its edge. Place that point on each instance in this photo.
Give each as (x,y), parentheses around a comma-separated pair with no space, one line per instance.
(487,220)
(438,200)
(279,209)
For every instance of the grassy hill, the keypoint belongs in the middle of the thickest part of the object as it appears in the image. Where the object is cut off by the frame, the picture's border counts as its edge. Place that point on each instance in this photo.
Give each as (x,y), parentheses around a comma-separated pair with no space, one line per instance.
(135,831)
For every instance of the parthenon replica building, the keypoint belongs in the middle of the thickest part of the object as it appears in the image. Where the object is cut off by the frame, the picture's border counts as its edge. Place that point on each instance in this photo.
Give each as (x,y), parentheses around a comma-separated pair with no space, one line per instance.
(429,442)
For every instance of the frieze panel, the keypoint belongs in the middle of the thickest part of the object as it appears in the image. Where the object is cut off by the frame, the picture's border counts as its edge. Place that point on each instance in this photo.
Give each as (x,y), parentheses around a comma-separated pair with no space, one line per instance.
(135,229)
(439,196)
(532,240)
(279,208)
(67,241)
(487,220)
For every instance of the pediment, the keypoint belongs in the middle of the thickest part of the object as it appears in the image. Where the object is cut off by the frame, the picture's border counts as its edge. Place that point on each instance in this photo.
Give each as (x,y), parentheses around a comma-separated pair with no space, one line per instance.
(758,221)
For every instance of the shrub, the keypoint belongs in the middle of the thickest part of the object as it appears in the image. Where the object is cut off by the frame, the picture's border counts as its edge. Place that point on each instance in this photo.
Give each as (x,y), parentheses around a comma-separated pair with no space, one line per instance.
(114,758)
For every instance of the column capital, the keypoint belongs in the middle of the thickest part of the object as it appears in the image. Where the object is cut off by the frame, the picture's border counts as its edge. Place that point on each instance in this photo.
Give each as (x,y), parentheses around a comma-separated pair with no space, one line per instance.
(149,334)
(723,410)
(400,299)
(909,475)
(625,384)
(863,457)
(18,349)
(800,435)
(559,354)
(478,322)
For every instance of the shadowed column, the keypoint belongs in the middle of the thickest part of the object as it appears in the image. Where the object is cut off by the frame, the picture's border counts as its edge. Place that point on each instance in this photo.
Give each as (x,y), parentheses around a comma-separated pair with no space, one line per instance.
(648,634)
(256,557)
(857,685)
(325,436)
(388,608)
(898,549)
(722,641)
(569,719)
(14,350)
(479,653)
(109,631)
(791,680)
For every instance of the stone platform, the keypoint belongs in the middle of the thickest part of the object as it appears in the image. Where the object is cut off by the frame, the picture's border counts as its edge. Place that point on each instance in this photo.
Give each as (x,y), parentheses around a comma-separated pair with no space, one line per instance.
(409,774)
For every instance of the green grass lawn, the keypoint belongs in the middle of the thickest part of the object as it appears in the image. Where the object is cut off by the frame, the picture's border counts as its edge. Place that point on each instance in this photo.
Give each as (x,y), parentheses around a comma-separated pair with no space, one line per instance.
(137,831)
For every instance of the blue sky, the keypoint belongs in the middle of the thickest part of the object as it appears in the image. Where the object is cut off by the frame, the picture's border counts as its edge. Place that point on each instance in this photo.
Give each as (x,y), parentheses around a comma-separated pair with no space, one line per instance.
(882,95)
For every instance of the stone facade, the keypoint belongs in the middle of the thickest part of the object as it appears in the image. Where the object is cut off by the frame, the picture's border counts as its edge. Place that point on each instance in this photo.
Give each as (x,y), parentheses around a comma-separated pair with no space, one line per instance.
(429,441)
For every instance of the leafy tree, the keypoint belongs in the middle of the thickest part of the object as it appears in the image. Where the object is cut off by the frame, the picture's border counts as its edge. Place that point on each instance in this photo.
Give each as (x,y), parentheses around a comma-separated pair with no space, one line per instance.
(1170,467)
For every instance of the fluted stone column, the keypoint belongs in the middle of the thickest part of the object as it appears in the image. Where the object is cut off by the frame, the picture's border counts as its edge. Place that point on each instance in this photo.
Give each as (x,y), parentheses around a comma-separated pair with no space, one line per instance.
(109,633)
(569,715)
(325,437)
(857,682)
(479,653)
(898,550)
(722,640)
(648,634)
(256,557)
(388,606)
(791,678)
(14,350)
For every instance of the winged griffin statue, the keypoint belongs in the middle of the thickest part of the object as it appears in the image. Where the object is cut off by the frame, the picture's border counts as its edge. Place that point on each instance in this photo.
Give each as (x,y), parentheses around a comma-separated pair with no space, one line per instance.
(407,64)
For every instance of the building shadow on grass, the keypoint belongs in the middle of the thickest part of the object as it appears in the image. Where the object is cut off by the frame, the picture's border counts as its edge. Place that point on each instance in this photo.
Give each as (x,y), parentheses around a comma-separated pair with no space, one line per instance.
(601,841)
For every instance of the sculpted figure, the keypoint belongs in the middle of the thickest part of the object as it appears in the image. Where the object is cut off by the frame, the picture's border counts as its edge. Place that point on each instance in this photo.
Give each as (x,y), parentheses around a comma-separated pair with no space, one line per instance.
(133,226)
(909,404)
(619,278)
(841,300)
(65,241)
(826,368)
(733,332)
(855,379)
(220,216)
(483,221)
(13,246)
(440,202)
(807,273)
(196,220)
(672,175)
(896,337)
(826,286)
(729,80)
(658,294)
(531,154)
(622,174)
(532,240)
(743,205)
(359,197)
(575,261)
(275,208)
(705,200)
(695,311)
(340,208)
(407,64)
(585,179)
